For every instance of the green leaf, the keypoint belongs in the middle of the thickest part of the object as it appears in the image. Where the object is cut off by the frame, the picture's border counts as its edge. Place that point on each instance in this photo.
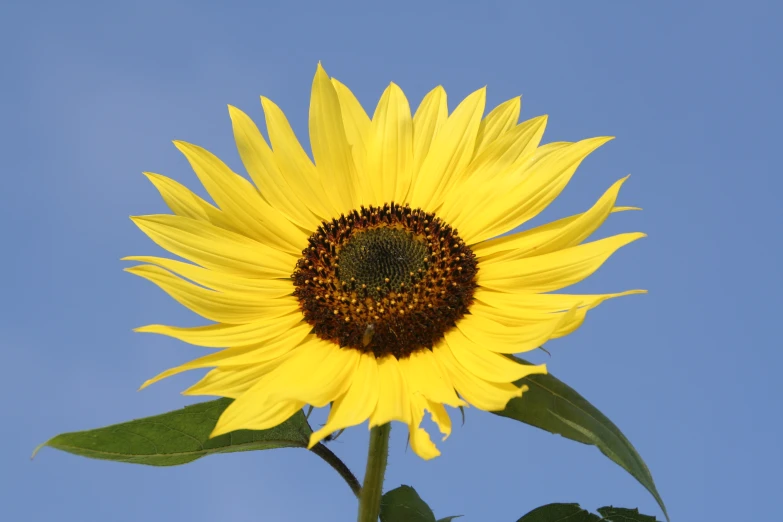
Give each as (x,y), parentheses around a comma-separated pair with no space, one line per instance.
(574,513)
(558,513)
(553,406)
(449,519)
(624,515)
(178,437)
(403,504)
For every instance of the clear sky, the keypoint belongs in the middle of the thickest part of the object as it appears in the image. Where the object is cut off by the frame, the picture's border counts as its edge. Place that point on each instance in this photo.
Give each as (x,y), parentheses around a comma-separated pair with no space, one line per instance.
(94,92)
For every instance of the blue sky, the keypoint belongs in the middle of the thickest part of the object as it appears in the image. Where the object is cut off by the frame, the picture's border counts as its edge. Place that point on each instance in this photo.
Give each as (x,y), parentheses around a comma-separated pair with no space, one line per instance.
(93,94)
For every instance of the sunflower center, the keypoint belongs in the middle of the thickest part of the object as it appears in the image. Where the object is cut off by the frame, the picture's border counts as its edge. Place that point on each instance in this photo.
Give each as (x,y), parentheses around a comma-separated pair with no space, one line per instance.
(382,259)
(385,280)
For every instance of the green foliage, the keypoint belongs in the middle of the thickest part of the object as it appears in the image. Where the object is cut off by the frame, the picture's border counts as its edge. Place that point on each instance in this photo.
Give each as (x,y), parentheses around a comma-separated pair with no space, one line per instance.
(558,513)
(553,406)
(178,437)
(574,513)
(403,504)
(614,514)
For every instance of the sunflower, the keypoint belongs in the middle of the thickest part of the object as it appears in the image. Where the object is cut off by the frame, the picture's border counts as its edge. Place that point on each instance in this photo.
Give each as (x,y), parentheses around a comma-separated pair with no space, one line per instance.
(376,279)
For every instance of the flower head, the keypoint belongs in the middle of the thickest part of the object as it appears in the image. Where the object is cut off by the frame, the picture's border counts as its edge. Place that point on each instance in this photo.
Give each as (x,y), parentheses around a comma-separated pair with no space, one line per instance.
(376,278)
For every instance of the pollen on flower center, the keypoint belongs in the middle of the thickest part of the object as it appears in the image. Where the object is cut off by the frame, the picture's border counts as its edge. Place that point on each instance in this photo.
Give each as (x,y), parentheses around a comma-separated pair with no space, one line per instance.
(389,280)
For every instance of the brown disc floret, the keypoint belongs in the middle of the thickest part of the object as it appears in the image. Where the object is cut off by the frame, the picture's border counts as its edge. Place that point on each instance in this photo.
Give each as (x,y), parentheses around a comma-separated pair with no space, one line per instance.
(385,280)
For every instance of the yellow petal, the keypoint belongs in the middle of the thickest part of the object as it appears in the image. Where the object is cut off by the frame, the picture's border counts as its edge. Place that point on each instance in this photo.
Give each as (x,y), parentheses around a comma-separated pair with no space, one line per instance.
(259,160)
(424,375)
(482,362)
(429,118)
(451,150)
(420,440)
(358,402)
(253,354)
(578,318)
(216,248)
(180,199)
(222,307)
(440,417)
(541,303)
(532,311)
(241,201)
(299,171)
(522,193)
(330,146)
(524,244)
(220,281)
(501,154)
(222,335)
(357,130)
(266,351)
(500,157)
(548,238)
(498,121)
(485,395)
(393,400)
(574,322)
(390,147)
(317,373)
(249,416)
(496,337)
(233,381)
(552,271)
(185,203)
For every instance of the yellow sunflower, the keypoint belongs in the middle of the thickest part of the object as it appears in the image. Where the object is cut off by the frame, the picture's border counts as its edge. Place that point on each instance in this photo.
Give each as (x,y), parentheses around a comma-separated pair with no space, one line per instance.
(374,278)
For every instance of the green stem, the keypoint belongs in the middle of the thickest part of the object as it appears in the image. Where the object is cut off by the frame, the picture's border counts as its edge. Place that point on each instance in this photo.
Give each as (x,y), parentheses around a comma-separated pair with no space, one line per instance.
(333,460)
(370,498)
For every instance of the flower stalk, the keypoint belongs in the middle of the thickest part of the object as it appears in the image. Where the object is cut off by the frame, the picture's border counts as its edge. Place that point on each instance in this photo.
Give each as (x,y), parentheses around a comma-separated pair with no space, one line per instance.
(370,497)
(333,460)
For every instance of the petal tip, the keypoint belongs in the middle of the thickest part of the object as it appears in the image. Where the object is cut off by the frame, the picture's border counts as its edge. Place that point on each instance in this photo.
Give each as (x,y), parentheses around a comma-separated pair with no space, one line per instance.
(184,147)
(268,105)
(218,431)
(321,72)
(430,456)
(150,328)
(625,209)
